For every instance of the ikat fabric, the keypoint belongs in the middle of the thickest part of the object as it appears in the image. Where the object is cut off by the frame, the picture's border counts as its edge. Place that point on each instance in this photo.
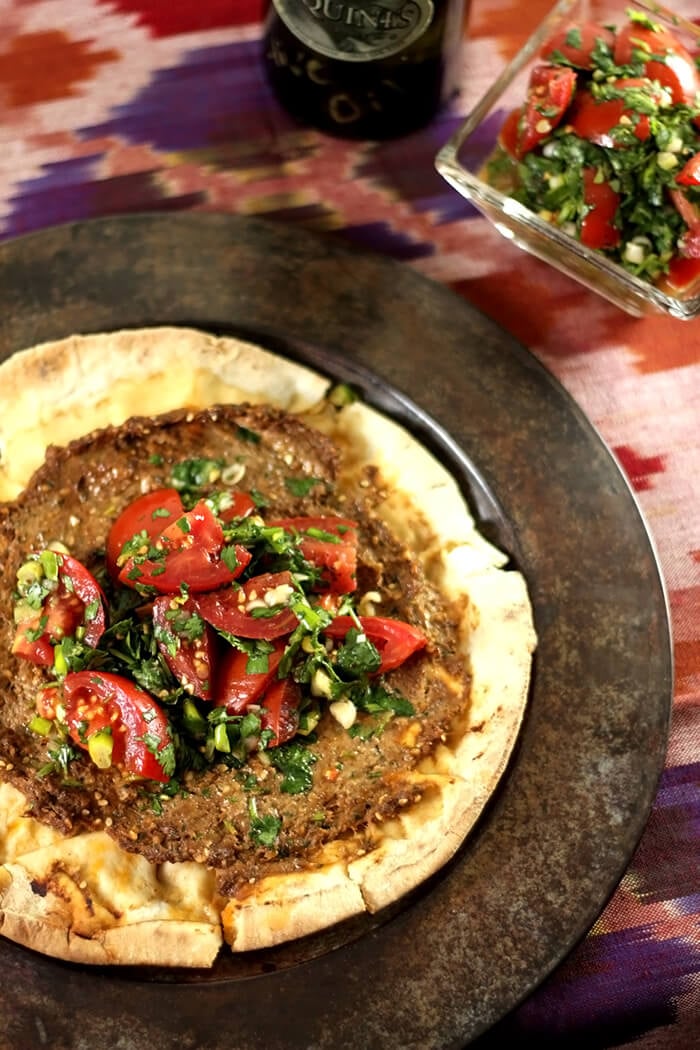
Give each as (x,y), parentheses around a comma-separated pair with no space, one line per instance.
(116,106)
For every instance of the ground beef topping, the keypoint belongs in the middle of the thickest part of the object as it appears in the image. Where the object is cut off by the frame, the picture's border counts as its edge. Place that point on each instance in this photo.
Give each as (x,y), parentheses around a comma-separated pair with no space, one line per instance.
(243,797)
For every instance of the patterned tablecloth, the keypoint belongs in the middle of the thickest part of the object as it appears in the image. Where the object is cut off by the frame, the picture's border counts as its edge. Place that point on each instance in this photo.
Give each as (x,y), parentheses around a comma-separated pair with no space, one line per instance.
(114,106)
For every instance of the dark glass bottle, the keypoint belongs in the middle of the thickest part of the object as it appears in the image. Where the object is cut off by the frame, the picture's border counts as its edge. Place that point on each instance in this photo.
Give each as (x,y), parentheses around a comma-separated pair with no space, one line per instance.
(359,69)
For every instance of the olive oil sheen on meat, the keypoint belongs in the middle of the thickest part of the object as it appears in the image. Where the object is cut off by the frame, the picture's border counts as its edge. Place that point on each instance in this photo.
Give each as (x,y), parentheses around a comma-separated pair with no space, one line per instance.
(361,69)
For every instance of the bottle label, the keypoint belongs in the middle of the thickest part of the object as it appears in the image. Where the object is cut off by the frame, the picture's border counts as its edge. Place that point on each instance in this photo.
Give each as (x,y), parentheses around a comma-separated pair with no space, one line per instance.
(353,30)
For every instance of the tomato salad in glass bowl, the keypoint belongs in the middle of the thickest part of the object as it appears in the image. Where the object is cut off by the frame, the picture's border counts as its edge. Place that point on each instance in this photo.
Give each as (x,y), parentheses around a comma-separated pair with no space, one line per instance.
(595,165)
(247,627)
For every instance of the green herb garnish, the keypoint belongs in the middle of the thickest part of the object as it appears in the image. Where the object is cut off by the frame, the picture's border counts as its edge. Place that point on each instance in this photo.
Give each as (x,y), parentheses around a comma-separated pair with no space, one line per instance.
(264,830)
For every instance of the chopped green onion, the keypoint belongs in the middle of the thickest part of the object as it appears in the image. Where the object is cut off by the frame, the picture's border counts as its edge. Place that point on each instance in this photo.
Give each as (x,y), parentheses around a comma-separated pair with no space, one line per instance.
(341,394)
(221,740)
(100,746)
(49,563)
(40,725)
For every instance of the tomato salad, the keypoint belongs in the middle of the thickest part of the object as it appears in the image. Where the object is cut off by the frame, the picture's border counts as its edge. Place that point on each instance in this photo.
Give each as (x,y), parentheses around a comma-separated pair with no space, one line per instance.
(607,146)
(209,634)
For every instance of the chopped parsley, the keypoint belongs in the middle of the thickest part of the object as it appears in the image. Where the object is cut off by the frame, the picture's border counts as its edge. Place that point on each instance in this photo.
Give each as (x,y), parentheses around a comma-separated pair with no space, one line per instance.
(301,487)
(229,557)
(264,830)
(261,500)
(192,475)
(357,656)
(246,434)
(60,757)
(185,623)
(295,761)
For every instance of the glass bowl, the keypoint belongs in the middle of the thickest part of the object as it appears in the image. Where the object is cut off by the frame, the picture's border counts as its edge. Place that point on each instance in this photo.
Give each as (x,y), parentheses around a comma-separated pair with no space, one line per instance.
(463,156)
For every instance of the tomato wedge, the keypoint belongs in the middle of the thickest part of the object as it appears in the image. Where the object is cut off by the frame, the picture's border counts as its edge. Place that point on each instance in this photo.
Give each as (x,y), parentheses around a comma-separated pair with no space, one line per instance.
(683,275)
(689,175)
(257,609)
(36,635)
(690,241)
(76,603)
(336,558)
(76,578)
(577,42)
(549,93)
(188,551)
(509,132)
(140,735)
(598,228)
(149,514)
(598,120)
(242,504)
(280,704)
(394,640)
(688,211)
(236,686)
(662,57)
(186,642)
(47,699)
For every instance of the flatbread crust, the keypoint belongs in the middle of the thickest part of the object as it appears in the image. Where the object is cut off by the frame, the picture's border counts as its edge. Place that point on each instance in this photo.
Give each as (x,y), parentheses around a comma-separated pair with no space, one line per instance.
(81,899)
(85,899)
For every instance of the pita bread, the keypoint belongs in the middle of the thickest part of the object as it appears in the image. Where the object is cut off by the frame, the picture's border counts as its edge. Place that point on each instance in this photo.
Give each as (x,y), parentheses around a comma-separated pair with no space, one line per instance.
(85,899)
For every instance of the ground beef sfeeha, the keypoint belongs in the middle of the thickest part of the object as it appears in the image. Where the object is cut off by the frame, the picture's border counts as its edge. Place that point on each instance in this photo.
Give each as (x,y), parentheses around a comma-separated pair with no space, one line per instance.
(73,499)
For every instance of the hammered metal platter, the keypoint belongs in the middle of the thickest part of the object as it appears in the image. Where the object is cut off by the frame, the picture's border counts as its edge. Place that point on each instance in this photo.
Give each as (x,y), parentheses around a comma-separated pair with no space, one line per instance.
(444,965)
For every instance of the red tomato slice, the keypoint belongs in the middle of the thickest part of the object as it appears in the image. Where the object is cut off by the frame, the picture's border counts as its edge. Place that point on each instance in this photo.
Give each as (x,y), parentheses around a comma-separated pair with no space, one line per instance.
(577,42)
(681,270)
(140,731)
(186,642)
(77,602)
(236,687)
(242,611)
(598,228)
(508,135)
(280,704)
(689,175)
(394,639)
(59,617)
(191,547)
(684,269)
(75,578)
(337,560)
(689,247)
(242,505)
(38,650)
(150,513)
(664,59)
(338,564)
(688,211)
(46,700)
(596,120)
(549,94)
(683,275)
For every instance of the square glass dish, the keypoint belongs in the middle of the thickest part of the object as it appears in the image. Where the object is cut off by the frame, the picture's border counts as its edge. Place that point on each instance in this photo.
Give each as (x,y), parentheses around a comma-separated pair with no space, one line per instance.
(462,159)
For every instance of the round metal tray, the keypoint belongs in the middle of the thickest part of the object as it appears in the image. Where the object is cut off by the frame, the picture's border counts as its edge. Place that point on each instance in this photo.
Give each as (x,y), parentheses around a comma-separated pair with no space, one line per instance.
(445,964)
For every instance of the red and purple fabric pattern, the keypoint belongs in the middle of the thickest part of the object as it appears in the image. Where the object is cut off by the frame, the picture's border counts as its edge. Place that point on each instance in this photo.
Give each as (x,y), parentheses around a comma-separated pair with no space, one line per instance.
(114,106)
